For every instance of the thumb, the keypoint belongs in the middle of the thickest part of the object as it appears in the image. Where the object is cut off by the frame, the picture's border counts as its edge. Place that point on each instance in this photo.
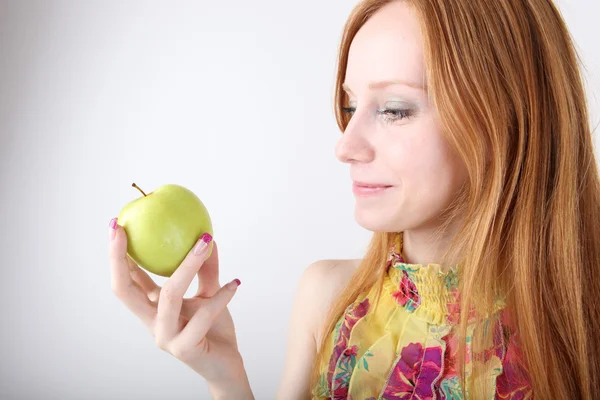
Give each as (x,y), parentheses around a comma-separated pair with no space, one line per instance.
(117,251)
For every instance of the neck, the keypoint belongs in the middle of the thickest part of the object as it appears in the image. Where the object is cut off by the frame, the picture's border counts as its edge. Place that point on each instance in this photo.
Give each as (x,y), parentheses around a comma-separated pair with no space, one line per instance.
(425,245)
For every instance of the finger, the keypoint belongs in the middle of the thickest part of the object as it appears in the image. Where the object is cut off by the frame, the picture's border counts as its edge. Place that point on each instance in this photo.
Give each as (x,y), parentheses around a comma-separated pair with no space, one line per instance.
(171,295)
(189,307)
(146,283)
(128,291)
(200,323)
(208,276)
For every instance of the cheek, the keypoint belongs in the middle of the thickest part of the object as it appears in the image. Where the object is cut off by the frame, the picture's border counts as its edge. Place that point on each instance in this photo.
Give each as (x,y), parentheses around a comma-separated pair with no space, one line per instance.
(427,168)
(420,154)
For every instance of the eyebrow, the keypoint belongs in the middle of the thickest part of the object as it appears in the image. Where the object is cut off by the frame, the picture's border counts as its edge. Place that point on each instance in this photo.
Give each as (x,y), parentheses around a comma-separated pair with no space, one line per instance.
(384,84)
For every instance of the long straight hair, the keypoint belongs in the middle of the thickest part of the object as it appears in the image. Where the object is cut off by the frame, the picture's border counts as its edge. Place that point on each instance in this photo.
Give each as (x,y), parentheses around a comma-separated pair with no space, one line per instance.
(504,77)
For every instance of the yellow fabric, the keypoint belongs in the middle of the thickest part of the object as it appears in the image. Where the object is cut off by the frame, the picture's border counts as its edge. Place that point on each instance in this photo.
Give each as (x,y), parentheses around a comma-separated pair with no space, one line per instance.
(407,348)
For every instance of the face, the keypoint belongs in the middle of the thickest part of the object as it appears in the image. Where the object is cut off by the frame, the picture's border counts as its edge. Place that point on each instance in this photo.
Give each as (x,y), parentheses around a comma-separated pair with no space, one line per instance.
(394,138)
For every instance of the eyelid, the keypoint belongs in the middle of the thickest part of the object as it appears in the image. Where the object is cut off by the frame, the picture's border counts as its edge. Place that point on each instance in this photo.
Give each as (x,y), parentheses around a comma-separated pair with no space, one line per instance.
(399,104)
(392,104)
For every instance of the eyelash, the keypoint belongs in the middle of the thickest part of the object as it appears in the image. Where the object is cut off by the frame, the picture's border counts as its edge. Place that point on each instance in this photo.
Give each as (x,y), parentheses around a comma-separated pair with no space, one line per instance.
(390,115)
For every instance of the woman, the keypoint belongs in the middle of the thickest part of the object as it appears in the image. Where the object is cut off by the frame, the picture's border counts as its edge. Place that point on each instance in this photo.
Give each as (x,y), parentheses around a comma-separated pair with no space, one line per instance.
(466,131)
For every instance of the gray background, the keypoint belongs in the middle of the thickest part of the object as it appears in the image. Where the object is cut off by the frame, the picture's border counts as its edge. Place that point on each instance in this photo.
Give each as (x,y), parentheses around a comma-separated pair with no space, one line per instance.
(231,99)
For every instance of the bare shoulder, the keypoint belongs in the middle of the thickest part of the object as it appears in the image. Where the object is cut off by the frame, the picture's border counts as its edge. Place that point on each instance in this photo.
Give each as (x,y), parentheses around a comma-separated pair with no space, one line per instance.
(323,281)
(330,276)
(320,283)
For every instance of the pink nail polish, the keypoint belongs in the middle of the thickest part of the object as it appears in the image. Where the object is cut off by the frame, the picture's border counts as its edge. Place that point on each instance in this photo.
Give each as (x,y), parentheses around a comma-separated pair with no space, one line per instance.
(202,243)
(233,284)
(113,228)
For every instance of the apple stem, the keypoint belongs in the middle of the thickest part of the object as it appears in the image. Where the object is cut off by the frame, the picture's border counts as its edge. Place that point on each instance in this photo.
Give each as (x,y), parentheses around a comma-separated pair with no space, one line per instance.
(138,188)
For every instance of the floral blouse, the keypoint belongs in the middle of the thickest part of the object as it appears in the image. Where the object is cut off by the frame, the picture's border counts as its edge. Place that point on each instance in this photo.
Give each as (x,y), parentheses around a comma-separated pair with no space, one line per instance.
(407,349)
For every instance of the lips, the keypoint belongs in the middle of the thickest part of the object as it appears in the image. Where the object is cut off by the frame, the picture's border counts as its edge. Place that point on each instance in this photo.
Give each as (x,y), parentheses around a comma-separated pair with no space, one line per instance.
(371,185)
(369,189)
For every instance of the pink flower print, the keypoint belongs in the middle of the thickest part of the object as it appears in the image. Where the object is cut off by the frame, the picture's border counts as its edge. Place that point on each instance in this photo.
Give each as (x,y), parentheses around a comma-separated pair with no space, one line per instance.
(351,351)
(352,316)
(343,373)
(450,355)
(453,308)
(393,259)
(513,383)
(407,294)
(415,373)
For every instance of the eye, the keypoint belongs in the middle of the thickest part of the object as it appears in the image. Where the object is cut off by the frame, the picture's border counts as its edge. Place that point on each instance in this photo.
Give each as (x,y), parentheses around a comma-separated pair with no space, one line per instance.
(391,115)
(348,110)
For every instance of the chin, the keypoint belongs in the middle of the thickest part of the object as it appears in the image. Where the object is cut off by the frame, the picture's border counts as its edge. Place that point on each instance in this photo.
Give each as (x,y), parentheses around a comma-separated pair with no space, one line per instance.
(376,220)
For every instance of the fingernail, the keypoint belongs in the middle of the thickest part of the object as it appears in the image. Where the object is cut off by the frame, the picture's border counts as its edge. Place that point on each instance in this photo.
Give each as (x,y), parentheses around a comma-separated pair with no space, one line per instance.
(202,243)
(113,227)
(234,284)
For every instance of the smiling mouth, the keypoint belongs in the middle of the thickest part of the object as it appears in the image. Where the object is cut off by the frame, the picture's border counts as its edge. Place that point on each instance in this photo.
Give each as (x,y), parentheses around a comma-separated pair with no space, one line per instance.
(364,190)
(370,185)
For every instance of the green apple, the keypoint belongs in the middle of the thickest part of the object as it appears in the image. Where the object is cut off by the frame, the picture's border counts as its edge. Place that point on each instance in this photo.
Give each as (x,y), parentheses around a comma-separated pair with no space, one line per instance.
(163,226)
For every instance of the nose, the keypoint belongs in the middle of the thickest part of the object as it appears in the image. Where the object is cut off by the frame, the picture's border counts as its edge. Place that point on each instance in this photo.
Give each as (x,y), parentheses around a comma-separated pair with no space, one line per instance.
(354,146)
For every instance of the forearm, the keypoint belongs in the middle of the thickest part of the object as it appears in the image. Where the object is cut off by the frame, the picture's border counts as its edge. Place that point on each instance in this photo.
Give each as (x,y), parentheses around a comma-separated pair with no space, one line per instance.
(238,389)
(231,392)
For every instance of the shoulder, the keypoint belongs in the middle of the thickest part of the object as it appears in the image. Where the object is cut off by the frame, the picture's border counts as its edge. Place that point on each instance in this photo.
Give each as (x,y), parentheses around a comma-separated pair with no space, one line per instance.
(318,287)
(320,284)
(329,276)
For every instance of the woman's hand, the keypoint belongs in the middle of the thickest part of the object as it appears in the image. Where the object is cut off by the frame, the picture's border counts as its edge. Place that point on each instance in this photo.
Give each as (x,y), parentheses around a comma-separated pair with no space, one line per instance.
(199,330)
